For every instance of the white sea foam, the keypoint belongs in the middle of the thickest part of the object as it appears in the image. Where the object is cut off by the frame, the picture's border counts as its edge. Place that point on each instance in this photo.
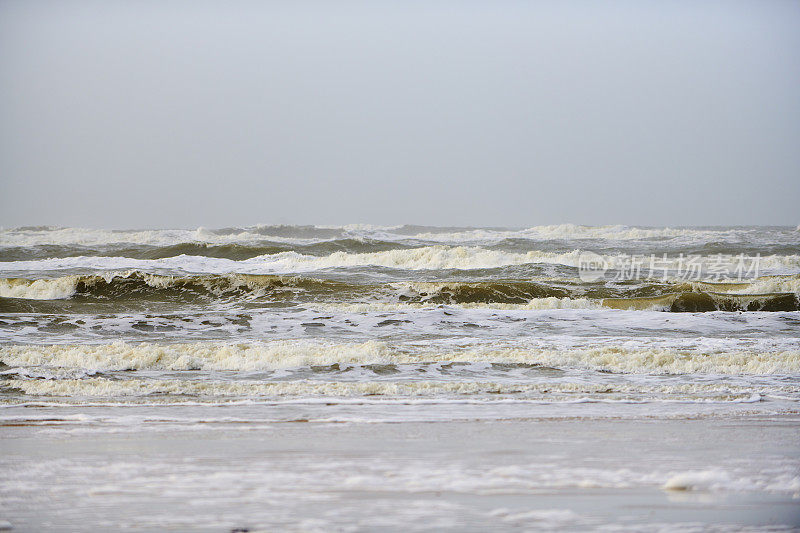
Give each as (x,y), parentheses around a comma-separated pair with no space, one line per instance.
(546,390)
(40,289)
(716,480)
(574,231)
(289,354)
(534,304)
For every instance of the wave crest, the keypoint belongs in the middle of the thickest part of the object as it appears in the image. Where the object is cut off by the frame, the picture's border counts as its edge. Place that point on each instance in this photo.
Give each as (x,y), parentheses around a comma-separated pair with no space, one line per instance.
(293,354)
(545,293)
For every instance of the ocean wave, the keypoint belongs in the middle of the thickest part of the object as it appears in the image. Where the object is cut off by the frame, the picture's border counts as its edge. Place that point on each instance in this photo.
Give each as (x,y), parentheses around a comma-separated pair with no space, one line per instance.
(249,235)
(226,286)
(487,391)
(39,289)
(49,235)
(676,297)
(231,251)
(176,288)
(423,258)
(542,293)
(575,231)
(761,285)
(707,301)
(293,354)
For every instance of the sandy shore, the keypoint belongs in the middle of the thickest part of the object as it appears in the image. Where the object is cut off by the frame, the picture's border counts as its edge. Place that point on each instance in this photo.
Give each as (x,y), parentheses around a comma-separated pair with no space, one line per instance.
(566,475)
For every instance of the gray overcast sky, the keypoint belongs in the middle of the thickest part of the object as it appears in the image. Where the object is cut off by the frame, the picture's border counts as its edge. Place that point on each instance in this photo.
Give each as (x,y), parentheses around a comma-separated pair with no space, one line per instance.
(187,113)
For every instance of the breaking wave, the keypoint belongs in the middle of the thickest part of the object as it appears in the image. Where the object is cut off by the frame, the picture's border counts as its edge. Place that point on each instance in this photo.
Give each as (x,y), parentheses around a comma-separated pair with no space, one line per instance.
(293,354)
(437,257)
(547,391)
(530,294)
(573,231)
(142,284)
(707,301)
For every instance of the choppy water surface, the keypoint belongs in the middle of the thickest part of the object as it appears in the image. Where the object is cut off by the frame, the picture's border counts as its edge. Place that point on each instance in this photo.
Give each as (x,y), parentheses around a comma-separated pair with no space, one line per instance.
(385,313)
(109,328)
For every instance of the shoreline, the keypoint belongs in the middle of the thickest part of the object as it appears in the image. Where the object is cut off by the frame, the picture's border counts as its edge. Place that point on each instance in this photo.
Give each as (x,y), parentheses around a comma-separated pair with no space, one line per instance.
(563,475)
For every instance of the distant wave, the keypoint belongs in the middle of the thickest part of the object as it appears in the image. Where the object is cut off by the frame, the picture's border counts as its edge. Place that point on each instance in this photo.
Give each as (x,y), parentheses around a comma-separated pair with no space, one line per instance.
(573,232)
(253,235)
(423,258)
(234,251)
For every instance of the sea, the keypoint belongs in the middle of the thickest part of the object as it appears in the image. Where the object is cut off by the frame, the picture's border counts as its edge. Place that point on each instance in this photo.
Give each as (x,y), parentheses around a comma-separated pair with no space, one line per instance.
(400,378)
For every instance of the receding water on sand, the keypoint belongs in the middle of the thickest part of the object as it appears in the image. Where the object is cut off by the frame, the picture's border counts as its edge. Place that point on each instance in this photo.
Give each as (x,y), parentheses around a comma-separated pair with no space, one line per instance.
(635,474)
